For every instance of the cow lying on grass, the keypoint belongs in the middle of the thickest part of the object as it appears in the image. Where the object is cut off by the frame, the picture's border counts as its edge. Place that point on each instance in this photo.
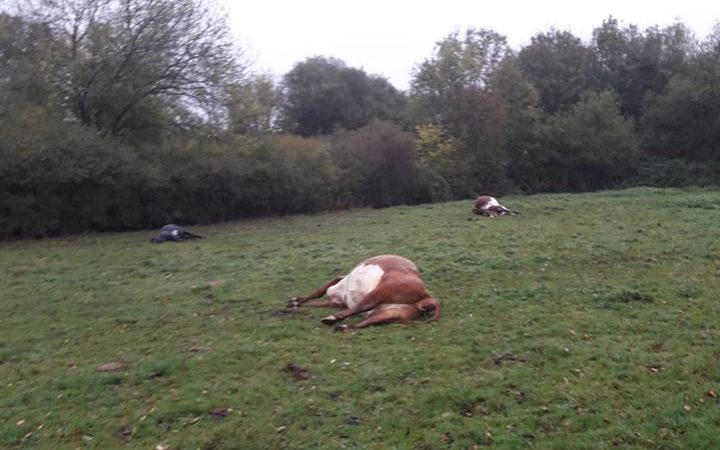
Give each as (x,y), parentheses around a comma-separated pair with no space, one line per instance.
(388,288)
(490,207)
(174,233)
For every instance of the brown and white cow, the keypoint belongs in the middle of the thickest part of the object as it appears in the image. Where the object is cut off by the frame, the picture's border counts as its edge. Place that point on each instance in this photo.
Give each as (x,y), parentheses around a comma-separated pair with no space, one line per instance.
(388,288)
(490,207)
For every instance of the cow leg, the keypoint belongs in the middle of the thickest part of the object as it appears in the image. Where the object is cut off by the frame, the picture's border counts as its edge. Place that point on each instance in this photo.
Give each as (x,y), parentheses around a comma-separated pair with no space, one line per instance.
(379,319)
(370,301)
(297,301)
(403,314)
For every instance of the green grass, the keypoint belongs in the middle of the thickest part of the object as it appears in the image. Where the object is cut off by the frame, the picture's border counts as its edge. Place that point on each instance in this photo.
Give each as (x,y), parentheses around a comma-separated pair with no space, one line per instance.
(605,306)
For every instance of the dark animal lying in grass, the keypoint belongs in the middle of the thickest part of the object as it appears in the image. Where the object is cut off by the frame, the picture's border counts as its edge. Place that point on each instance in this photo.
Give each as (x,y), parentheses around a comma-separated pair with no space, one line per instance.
(388,288)
(174,233)
(490,207)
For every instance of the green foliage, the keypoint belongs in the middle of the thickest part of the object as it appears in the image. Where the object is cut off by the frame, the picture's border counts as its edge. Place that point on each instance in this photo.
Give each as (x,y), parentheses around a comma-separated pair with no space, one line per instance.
(60,176)
(559,66)
(674,172)
(599,145)
(127,115)
(682,122)
(635,64)
(376,165)
(452,90)
(253,106)
(594,319)
(323,95)
(437,160)
(139,66)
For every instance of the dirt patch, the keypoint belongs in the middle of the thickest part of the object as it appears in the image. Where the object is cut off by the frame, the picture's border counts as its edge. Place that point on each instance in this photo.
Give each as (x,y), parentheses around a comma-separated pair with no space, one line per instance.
(506,357)
(199,348)
(298,373)
(219,413)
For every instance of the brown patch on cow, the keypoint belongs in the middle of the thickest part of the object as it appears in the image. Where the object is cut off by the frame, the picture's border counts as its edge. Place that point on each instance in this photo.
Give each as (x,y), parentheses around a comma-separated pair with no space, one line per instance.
(498,359)
(297,372)
(114,366)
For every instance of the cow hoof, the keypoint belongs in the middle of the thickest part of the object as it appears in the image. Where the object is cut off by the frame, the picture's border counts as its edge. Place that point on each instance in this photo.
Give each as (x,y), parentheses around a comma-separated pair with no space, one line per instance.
(341,328)
(293,302)
(329,320)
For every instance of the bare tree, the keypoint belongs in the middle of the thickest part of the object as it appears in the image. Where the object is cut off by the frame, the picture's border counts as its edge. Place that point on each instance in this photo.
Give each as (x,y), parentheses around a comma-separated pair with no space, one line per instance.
(133,64)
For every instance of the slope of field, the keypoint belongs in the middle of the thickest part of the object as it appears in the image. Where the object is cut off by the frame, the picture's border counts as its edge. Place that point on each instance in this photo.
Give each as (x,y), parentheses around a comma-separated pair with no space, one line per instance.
(587,322)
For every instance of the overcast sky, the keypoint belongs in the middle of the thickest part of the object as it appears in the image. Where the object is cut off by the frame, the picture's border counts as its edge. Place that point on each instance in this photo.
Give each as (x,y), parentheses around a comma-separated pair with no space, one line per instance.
(389,37)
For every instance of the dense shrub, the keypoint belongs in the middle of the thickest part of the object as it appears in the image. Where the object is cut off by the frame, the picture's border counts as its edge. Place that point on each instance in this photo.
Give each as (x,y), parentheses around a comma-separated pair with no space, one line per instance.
(58,176)
(661,172)
(376,165)
(61,177)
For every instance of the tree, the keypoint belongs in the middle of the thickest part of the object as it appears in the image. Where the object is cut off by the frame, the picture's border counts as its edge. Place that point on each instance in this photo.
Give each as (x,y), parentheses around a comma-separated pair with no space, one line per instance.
(598,145)
(376,165)
(634,64)
(458,64)
(253,106)
(559,66)
(524,140)
(323,95)
(682,122)
(452,90)
(129,65)
(26,51)
(437,159)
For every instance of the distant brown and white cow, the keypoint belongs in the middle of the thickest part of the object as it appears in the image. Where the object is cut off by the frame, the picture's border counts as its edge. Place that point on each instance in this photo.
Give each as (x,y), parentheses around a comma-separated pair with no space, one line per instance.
(490,207)
(388,288)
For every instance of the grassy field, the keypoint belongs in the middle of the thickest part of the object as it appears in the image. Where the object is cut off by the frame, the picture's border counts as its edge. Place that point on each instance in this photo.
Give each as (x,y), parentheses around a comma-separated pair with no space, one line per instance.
(587,322)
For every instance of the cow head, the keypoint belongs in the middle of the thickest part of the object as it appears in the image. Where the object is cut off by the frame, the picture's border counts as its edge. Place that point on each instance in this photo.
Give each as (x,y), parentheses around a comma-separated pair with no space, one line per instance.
(429,304)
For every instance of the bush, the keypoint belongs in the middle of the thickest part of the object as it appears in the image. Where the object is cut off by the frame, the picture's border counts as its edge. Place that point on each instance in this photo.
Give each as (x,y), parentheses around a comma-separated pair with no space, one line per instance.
(662,172)
(376,165)
(60,177)
(63,177)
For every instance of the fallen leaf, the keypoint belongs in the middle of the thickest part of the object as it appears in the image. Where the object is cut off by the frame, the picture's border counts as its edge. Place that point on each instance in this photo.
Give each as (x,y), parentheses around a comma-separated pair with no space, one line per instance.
(112,366)
(280,429)
(194,420)
(199,348)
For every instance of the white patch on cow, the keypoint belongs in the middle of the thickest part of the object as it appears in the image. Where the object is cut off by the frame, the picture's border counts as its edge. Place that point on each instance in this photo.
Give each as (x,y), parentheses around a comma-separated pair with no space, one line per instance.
(175,232)
(356,285)
(491,202)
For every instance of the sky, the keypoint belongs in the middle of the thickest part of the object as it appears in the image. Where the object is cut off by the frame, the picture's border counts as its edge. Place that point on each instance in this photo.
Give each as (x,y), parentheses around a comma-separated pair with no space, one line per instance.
(390,37)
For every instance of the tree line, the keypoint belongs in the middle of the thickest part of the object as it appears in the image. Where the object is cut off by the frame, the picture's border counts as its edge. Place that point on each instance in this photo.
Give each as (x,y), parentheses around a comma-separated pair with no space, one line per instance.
(128,114)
